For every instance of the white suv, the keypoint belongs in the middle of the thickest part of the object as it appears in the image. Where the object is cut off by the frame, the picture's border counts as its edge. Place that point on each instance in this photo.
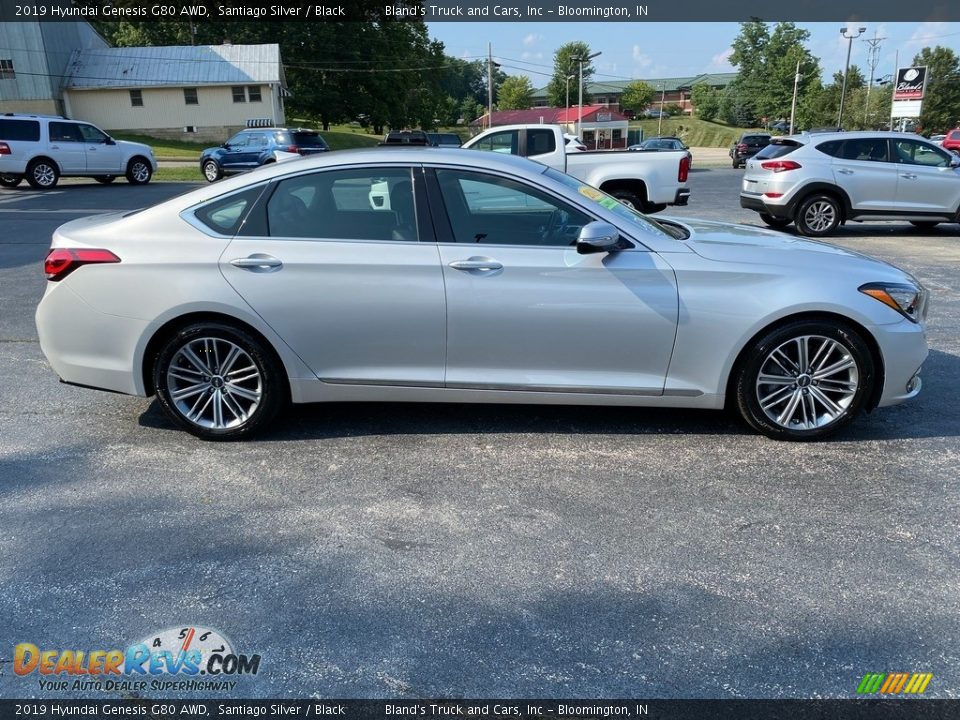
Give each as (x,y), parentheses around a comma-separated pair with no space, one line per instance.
(819,181)
(42,148)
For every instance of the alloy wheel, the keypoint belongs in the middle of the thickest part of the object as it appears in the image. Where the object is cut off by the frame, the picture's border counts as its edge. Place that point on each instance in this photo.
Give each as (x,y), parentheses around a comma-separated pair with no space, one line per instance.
(820,216)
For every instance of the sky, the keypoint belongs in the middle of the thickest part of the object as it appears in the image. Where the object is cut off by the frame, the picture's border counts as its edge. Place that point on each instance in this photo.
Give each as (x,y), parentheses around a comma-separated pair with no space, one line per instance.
(655,50)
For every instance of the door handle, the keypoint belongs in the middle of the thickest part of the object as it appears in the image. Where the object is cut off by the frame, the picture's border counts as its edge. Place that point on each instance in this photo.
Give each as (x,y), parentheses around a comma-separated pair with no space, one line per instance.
(257,262)
(476,264)
(908,176)
(845,171)
(54,147)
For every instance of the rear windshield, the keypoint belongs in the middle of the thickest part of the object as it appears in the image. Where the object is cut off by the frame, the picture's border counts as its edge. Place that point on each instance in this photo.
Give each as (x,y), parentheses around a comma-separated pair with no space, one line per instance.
(755,139)
(308,139)
(778,149)
(27,130)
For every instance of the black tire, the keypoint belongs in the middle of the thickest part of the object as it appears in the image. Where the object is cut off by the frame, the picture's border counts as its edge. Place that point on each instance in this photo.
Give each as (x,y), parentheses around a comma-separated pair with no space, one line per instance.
(841,343)
(43,174)
(651,208)
(139,171)
(214,343)
(818,215)
(925,224)
(211,170)
(10,181)
(628,198)
(105,179)
(775,222)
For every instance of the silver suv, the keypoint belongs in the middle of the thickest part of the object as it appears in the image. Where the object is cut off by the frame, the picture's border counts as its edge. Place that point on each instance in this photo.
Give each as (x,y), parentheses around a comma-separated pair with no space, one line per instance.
(42,148)
(819,181)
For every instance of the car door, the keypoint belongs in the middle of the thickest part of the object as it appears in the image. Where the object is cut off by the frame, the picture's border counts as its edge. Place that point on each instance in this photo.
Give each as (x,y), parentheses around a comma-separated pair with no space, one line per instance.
(862,167)
(235,153)
(103,155)
(525,311)
(68,148)
(347,286)
(925,181)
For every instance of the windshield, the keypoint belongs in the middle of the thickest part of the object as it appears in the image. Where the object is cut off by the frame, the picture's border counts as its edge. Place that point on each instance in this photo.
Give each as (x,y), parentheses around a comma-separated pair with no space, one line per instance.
(610,204)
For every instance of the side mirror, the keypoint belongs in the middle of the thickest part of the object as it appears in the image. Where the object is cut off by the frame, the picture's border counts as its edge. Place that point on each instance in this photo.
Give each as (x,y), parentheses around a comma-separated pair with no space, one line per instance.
(226,146)
(955,161)
(597,237)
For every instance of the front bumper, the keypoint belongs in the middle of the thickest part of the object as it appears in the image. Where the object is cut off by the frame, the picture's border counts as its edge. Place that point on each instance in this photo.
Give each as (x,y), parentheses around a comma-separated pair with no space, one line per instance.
(904,348)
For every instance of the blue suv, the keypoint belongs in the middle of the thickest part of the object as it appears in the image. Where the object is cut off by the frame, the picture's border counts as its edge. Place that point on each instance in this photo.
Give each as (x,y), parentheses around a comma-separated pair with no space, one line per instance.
(255,147)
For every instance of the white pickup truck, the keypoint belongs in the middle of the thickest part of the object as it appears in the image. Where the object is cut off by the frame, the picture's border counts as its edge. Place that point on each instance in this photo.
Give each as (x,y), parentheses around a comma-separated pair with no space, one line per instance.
(645,181)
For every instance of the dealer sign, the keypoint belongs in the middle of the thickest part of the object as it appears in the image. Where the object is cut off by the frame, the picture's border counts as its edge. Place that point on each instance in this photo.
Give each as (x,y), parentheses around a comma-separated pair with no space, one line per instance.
(910,82)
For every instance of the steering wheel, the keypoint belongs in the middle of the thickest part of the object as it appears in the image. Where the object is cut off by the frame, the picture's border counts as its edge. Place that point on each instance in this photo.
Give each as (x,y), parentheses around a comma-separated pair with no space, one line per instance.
(556,226)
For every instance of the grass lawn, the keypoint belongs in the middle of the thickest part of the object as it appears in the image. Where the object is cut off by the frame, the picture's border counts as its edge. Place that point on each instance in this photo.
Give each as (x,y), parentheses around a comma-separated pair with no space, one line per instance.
(178,174)
(695,133)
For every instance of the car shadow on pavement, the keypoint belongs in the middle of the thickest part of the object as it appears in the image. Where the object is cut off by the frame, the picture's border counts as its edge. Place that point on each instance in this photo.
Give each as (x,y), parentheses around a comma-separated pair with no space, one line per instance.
(930,415)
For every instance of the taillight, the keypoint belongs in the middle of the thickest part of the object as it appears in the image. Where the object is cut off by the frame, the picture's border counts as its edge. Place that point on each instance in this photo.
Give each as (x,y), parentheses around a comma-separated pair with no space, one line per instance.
(4,149)
(60,262)
(773,195)
(780,165)
(684,169)
(292,148)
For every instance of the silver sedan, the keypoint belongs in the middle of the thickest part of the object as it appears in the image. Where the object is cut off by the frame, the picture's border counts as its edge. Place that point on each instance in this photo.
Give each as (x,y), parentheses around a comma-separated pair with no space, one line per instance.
(467,277)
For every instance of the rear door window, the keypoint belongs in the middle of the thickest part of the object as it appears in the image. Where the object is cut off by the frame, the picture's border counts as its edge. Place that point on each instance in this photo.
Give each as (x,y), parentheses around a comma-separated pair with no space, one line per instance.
(23,130)
(540,142)
(65,132)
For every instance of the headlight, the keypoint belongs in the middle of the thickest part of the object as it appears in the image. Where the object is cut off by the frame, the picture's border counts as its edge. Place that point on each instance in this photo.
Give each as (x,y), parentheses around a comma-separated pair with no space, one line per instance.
(906,298)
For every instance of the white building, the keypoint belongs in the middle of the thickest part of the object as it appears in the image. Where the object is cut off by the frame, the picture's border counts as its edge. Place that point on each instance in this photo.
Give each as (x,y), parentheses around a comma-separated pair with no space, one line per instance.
(177,92)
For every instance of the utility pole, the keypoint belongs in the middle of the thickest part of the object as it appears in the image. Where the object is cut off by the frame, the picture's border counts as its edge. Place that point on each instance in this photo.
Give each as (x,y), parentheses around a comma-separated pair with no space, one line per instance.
(489,85)
(873,59)
(893,79)
(663,92)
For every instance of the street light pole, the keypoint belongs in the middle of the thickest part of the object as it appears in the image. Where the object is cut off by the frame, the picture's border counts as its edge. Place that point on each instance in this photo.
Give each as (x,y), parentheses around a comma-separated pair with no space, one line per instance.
(569,78)
(663,92)
(846,69)
(582,60)
(793,107)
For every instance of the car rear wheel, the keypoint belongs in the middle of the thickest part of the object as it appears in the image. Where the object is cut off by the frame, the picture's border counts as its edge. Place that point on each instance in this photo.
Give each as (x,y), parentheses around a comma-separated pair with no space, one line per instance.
(628,198)
(42,174)
(218,382)
(805,380)
(10,181)
(775,222)
(139,171)
(212,171)
(924,224)
(818,215)
(105,179)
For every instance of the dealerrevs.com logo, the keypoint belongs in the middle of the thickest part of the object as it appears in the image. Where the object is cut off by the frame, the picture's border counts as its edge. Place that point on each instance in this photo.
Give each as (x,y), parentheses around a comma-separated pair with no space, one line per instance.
(174,659)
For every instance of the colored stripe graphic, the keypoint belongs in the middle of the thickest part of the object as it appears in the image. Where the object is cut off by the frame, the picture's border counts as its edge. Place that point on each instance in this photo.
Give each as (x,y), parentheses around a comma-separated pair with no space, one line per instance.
(894,683)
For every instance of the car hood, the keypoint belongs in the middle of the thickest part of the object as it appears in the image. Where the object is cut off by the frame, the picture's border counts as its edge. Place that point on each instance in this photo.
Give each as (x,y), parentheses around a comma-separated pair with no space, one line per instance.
(725,242)
(135,147)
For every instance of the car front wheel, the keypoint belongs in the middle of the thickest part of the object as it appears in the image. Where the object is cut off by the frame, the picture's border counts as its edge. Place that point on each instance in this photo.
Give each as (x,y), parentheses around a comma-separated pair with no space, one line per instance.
(818,215)
(139,171)
(805,380)
(212,171)
(218,382)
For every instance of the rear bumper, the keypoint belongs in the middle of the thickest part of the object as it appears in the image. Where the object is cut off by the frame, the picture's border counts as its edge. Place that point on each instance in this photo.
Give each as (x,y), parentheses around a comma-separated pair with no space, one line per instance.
(755,202)
(683,197)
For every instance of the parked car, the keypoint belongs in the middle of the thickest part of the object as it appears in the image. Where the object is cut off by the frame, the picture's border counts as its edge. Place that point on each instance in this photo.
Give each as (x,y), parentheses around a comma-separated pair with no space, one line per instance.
(656,114)
(43,148)
(438,139)
(662,143)
(821,181)
(257,146)
(938,139)
(504,281)
(782,126)
(747,146)
(952,141)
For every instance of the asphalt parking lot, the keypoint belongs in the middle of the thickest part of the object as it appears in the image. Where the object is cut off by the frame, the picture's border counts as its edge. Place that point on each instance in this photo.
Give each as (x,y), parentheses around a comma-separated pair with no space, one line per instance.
(484,551)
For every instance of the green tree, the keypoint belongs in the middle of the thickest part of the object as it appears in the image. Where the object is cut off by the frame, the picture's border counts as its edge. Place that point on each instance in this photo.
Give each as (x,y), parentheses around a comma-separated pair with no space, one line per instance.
(565,64)
(767,64)
(637,95)
(706,101)
(516,93)
(941,100)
